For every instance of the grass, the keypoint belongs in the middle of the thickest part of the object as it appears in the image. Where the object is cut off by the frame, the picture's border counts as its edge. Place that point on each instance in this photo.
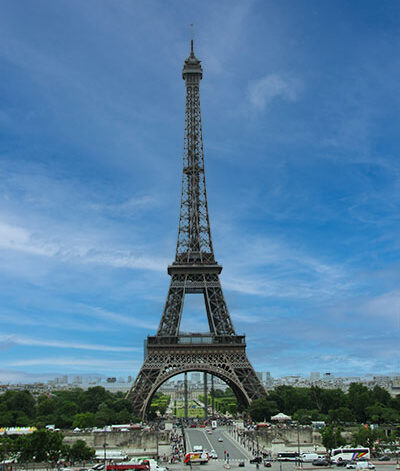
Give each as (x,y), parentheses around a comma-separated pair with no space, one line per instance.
(193,409)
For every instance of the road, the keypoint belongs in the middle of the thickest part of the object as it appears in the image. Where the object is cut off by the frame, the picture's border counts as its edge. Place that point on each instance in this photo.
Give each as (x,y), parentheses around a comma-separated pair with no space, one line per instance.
(218,465)
(209,441)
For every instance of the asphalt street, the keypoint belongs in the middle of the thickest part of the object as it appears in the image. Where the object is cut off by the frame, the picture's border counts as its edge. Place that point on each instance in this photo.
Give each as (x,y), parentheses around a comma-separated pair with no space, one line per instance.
(228,447)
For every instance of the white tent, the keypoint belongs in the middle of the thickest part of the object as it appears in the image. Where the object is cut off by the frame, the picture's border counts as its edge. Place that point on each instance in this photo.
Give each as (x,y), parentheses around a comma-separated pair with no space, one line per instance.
(281,417)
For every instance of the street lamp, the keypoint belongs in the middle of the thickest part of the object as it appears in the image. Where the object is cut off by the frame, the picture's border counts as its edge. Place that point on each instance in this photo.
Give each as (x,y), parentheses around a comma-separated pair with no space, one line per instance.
(105,453)
(299,461)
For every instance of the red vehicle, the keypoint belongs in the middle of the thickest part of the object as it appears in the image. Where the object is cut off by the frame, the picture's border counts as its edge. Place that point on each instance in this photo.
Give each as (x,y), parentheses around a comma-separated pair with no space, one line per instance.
(196,457)
(127,467)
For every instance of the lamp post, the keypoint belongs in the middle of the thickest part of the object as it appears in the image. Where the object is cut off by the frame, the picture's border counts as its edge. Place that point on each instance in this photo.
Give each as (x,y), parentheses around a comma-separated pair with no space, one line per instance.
(105,452)
(5,451)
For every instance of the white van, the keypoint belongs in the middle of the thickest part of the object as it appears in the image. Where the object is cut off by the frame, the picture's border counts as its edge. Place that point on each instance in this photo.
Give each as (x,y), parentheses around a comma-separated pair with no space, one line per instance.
(309,457)
(364,465)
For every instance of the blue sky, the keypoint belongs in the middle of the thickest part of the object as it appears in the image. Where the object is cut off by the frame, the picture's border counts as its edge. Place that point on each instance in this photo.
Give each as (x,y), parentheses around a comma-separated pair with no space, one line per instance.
(300,106)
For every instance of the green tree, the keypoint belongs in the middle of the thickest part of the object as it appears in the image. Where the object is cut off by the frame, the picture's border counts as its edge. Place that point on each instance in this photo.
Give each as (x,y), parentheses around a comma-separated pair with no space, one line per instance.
(340,416)
(84,420)
(262,409)
(42,445)
(359,398)
(366,436)
(81,452)
(46,406)
(93,397)
(381,396)
(332,437)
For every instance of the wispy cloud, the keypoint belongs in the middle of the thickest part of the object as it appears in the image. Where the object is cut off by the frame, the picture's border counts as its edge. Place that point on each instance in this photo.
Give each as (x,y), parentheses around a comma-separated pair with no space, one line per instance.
(263,91)
(118,318)
(21,239)
(79,362)
(12,340)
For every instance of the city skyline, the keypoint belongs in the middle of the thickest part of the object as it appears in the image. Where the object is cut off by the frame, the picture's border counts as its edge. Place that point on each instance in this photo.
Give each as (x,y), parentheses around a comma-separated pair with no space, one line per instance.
(299,109)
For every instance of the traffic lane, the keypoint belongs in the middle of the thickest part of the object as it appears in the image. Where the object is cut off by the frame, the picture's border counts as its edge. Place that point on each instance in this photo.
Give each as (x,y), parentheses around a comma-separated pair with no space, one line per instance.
(231,446)
(214,465)
(196,437)
(224,448)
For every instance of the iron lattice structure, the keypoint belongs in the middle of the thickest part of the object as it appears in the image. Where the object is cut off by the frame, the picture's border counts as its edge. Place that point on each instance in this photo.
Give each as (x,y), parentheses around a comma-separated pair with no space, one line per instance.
(221,352)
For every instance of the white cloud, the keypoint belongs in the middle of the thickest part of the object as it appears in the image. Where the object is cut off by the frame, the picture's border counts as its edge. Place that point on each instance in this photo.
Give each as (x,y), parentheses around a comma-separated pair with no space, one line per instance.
(386,305)
(120,319)
(263,91)
(11,340)
(21,239)
(101,363)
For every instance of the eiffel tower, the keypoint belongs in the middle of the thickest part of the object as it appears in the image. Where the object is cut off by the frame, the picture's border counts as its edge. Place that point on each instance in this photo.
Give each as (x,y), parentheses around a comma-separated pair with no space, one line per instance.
(220,352)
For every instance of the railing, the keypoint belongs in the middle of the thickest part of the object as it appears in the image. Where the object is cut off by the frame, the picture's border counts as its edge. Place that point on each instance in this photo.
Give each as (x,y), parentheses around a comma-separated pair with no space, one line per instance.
(197,339)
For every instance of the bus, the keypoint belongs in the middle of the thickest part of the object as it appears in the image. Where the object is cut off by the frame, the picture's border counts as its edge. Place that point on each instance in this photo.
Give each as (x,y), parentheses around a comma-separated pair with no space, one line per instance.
(288,456)
(350,454)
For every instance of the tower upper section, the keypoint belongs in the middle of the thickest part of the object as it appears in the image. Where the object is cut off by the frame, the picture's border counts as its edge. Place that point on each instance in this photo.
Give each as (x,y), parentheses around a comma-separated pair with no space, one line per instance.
(192,71)
(194,245)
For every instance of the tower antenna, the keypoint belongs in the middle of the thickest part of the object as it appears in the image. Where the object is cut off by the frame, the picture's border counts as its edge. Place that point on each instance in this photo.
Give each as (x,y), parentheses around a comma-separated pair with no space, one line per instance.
(191,39)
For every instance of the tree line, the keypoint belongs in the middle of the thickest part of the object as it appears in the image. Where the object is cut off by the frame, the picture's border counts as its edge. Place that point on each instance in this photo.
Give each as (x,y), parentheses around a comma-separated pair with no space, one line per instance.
(43,446)
(95,407)
(333,406)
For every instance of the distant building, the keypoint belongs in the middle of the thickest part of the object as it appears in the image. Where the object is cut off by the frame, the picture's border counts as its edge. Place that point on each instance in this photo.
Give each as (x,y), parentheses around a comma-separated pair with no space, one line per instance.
(195,377)
(315,376)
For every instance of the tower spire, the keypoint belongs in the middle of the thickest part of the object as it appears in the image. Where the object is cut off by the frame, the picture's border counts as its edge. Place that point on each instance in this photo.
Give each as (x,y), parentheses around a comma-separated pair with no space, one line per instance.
(191,40)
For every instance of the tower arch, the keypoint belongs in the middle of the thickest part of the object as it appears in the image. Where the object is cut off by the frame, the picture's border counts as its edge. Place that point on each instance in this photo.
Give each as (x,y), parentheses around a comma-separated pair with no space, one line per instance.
(236,387)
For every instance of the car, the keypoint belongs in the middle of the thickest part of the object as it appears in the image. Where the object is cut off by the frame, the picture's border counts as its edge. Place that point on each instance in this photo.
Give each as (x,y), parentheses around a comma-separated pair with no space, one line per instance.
(342,462)
(213,455)
(256,459)
(320,462)
(220,439)
(267,463)
(351,465)
(384,458)
(98,466)
(364,465)
(241,464)
(209,432)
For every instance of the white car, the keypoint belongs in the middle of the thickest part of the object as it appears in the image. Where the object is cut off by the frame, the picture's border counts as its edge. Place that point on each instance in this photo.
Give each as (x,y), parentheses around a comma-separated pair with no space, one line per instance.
(213,455)
(220,439)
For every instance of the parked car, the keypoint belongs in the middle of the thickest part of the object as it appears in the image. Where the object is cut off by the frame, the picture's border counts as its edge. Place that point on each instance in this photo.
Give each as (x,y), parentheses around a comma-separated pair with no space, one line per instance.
(320,462)
(257,459)
(342,462)
(384,458)
(351,465)
(241,464)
